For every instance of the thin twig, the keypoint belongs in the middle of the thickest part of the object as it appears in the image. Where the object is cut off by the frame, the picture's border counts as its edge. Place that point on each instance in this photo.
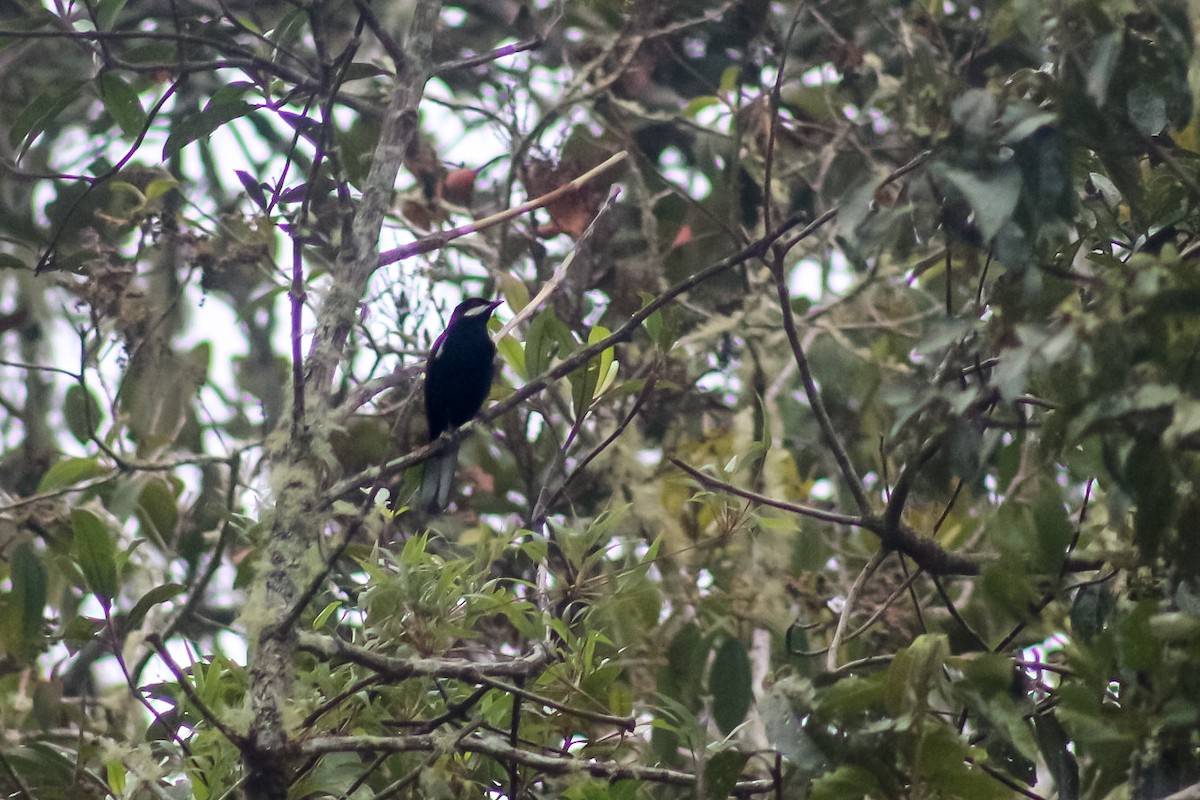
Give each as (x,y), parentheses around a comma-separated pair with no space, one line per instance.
(899,494)
(398,668)
(884,606)
(642,396)
(489,57)
(185,685)
(928,554)
(200,586)
(977,642)
(113,171)
(436,241)
(560,272)
(574,361)
(863,663)
(776,95)
(856,588)
(624,723)
(828,430)
(22,788)
(709,482)
(394,50)
(499,749)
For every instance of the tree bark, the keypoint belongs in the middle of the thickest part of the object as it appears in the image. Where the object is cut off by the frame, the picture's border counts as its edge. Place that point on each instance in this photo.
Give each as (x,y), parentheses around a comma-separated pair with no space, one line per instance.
(298,477)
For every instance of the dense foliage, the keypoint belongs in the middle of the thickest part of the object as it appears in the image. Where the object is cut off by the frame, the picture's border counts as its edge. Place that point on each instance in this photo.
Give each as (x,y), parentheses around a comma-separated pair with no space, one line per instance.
(844,444)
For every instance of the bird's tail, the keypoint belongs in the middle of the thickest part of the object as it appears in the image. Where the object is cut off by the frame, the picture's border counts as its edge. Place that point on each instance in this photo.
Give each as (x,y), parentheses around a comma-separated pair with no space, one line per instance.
(438,479)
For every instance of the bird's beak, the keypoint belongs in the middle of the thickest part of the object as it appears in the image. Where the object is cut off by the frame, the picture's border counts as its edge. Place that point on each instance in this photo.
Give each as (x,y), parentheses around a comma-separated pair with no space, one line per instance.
(492,306)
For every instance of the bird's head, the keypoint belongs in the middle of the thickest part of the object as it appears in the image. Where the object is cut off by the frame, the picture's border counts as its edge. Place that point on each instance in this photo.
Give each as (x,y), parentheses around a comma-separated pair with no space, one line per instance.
(474,308)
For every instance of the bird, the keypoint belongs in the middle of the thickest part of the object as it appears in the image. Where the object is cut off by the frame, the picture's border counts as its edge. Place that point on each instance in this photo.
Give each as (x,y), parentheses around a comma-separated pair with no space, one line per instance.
(458,377)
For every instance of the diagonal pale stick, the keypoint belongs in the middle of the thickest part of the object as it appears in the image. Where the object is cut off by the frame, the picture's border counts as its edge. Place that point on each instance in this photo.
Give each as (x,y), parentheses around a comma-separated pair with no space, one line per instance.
(559,273)
(434,241)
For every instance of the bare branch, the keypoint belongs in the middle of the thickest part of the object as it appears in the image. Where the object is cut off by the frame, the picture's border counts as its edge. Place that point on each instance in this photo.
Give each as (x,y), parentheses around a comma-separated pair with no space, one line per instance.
(824,515)
(828,432)
(581,356)
(848,607)
(438,240)
(494,746)
(398,668)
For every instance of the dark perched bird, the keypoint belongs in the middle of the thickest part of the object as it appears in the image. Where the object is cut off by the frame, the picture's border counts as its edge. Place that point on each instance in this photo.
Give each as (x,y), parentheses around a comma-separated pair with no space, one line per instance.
(458,377)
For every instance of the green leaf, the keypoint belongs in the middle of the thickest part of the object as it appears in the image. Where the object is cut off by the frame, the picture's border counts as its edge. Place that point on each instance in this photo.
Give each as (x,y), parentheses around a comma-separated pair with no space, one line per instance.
(9,261)
(107,12)
(33,120)
(992,194)
(660,325)
(621,699)
(1027,127)
(988,674)
(721,773)
(698,104)
(586,379)
(70,472)
(82,413)
(680,677)
(943,765)
(547,338)
(96,552)
(1092,611)
(1054,530)
(1137,649)
(539,345)
(159,594)
(79,631)
(911,674)
(1147,108)
(160,186)
(729,79)
(158,511)
(357,145)
(729,682)
(974,111)
(1175,626)
(516,293)
(1055,747)
(654,325)
(1148,478)
(325,614)
(514,355)
(199,359)
(121,102)
(24,613)
(115,771)
(784,708)
(853,695)
(844,783)
(203,123)
(153,52)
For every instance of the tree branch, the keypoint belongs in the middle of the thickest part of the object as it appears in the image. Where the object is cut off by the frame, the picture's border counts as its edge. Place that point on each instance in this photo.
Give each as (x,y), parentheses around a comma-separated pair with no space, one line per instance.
(436,241)
(495,747)
(399,668)
(297,475)
(828,431)
(581,356)
(848,607)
